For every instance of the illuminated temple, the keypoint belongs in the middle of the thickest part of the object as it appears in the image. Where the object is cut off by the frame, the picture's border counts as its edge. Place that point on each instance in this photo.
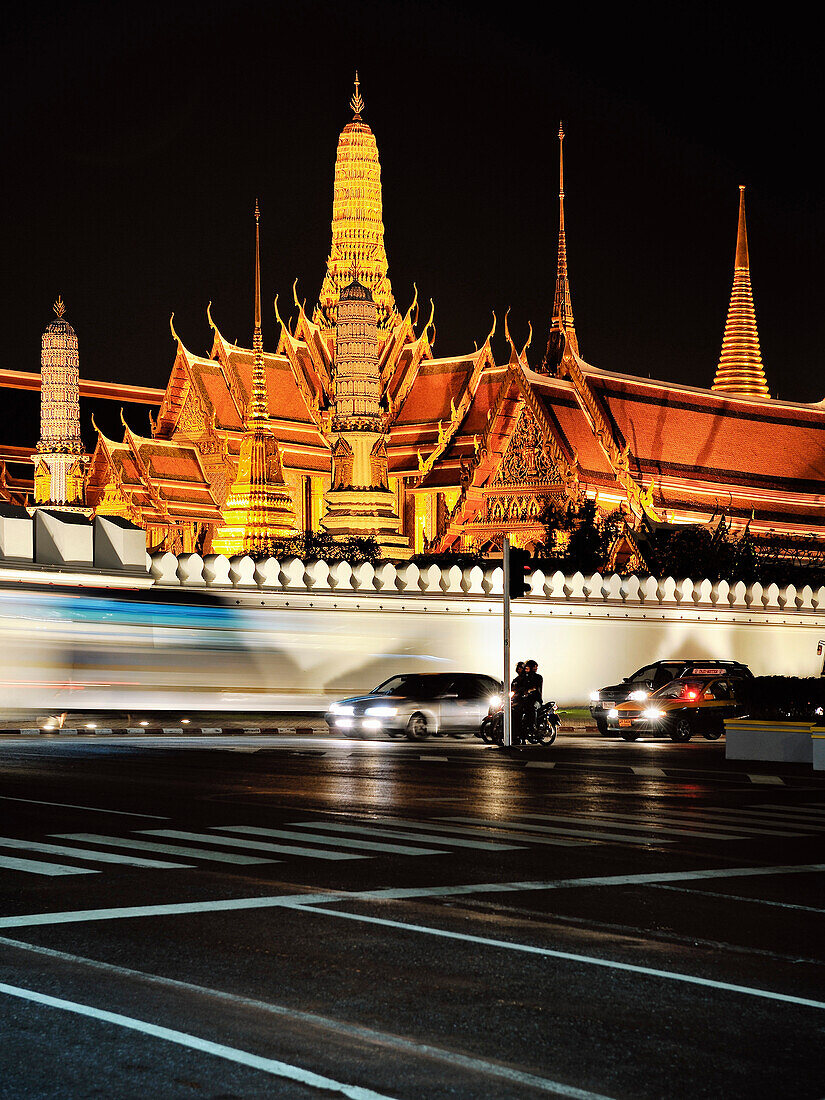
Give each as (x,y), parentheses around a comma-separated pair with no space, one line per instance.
(351,425)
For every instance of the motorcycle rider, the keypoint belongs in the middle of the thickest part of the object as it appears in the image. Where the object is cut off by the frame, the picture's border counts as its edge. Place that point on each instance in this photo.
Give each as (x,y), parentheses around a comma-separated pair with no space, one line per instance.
(531,692)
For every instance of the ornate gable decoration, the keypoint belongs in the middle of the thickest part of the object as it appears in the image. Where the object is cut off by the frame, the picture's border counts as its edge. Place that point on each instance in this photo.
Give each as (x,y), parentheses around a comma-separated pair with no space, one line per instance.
(527,460)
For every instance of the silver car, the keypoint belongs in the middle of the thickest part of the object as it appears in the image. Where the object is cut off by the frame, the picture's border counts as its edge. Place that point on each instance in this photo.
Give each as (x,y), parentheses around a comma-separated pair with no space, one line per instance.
(418,704)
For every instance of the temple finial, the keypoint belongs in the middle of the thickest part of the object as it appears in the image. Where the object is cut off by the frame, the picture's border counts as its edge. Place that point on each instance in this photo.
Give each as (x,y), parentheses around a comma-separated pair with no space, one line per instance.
(257,268)
(562,328)
(356,103)
(740,369)
(59,306)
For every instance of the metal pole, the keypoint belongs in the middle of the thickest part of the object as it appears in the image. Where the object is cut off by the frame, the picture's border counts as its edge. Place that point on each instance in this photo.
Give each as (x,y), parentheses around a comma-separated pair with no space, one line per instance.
(508,713)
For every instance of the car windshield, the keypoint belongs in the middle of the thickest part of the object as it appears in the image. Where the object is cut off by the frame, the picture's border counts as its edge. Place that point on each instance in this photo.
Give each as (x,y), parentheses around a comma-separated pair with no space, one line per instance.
(409,687)
(677,688)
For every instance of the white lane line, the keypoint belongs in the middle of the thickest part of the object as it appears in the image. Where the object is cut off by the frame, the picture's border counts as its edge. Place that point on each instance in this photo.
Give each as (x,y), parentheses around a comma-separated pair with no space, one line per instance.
(674,817)
(540,764)
(441,759)
(37,867)
(338,842)
(759,817)
(325,1023)
(766,779)
(254,845)
(85,854)
(639,770)
(91,809)
(790,815)
(363,830)
(193,1042)
(585,834)
(628,821)
(475,830)
(29,920)
(550,953)
(739,898)
(164,849)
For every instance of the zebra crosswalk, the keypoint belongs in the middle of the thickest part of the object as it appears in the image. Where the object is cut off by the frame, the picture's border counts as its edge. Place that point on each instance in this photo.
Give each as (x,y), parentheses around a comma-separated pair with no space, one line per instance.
(248,845)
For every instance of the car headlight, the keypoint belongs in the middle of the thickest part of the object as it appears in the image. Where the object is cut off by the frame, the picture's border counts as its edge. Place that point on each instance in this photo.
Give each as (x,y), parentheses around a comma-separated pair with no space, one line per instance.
(382,712)
(495,701)
(594,696)
(344,723)
(653,714)
(612,713)
(638,696)
(340,708)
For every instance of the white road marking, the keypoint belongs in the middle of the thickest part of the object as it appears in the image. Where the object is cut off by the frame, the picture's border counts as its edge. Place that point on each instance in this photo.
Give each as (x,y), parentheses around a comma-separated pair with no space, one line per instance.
(794,815)
(547,952)
(254,845)
(639,770)
(778,822)
(739,898)
(37,867)
(699,817)
(351,1031)
(166,849)
(363,830)
(475,830)
(541,764)
(629,821)
(441,759)
(91,809)
(193,1042)
(585,834)
(766,779)
(85,854)
(339,842)
(29,920)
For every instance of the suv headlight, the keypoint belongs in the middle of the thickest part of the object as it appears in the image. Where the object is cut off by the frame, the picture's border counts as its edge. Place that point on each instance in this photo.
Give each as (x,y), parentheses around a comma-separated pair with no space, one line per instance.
(382,712)
(340,708)
(594,697)
(638,696)
(613,713)
(653,714)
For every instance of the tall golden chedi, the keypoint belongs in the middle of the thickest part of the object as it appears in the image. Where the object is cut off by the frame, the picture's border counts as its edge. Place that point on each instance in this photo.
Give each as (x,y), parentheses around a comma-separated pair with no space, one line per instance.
(562,327)
(58,478)
(360,502)
(259,506)
(740,368)
(357,227)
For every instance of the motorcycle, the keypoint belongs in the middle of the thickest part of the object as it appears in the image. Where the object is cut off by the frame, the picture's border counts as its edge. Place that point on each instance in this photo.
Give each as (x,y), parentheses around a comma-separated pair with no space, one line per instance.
(542,732)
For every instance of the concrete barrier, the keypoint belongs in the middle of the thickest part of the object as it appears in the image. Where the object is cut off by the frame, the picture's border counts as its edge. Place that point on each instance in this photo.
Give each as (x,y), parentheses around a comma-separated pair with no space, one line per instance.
(788,742)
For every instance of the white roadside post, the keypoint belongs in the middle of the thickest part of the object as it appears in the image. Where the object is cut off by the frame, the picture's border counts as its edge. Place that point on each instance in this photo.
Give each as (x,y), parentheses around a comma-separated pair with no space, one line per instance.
(505,695)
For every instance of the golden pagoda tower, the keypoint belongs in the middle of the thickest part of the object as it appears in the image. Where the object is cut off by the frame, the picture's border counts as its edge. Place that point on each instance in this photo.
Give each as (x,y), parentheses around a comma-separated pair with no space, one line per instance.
(58,477)
(562,329)
(259,506)
(740,368)
(360,502)
(357,228)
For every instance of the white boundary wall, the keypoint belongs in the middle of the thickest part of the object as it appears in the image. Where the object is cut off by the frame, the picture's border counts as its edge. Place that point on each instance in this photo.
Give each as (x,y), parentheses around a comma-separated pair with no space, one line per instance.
(350,626)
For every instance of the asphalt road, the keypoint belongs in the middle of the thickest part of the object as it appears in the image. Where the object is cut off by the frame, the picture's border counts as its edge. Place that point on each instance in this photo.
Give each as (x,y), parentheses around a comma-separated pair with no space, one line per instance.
(309,917)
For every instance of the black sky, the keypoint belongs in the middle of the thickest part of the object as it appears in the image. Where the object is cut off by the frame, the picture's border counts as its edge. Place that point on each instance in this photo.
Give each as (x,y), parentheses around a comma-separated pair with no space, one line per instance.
(136,138)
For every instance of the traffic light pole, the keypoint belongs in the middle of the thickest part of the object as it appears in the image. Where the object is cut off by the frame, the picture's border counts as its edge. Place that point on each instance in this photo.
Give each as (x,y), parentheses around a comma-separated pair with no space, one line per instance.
(505,695)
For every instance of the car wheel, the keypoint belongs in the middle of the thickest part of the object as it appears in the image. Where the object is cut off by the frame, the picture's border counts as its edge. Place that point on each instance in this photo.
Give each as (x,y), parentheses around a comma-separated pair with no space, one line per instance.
(417,729)
(682,731)
(601,726)
(713,733)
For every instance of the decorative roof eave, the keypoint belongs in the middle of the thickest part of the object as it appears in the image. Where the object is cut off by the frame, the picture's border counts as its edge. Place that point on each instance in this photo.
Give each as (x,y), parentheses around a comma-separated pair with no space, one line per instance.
(640,500)
(221,353)
(177,389)
(312,390)
(320,350)
(398,378)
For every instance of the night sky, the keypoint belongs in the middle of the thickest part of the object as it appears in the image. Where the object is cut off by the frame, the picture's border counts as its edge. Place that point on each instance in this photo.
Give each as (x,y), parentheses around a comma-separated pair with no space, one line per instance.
(136,139)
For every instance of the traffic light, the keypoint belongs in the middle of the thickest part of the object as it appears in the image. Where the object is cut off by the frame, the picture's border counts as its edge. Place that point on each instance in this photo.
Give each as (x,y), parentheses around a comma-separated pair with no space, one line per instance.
(519,573)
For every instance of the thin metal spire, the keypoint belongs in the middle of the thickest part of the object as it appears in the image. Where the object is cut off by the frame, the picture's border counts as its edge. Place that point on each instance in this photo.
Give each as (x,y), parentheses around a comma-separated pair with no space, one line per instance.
(258,404)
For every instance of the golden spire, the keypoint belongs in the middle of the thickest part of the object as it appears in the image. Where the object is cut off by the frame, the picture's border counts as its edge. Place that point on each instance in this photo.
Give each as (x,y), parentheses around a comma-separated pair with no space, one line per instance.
(740,369)
(562,328)
(357,228)
(258,413)
(59,306)
(357,103)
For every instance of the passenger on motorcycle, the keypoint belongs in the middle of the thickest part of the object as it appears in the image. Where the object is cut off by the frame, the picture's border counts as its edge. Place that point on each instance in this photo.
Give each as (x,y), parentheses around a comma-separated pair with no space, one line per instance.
(527,698)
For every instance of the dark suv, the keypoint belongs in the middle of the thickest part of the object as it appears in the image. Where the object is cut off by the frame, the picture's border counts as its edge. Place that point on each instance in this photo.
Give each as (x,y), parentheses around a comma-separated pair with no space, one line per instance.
(652,677)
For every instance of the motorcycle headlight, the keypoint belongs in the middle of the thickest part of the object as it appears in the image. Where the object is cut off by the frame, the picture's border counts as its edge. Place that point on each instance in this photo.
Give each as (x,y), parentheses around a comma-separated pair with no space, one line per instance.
(612,713)
(653,714)
(494,701)
(638,696)
(382,712)
(594,696)
(340,708)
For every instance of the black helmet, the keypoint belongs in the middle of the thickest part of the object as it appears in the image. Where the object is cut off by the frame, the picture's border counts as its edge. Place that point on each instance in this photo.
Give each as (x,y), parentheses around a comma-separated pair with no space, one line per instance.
(527,664)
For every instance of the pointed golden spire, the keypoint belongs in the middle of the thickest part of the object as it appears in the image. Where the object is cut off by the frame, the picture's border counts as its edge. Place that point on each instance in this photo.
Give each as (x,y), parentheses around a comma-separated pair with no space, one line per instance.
(356,103)
(562,329)
(258,412)
(59,307)
(740,369)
